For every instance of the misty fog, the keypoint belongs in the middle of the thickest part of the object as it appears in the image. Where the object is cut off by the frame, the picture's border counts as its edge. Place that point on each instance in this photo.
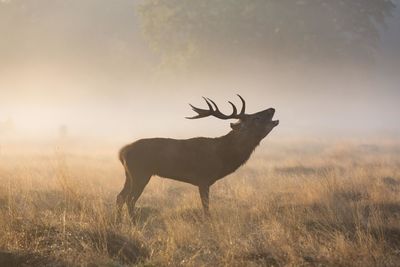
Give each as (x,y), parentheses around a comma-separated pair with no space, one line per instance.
(128,69)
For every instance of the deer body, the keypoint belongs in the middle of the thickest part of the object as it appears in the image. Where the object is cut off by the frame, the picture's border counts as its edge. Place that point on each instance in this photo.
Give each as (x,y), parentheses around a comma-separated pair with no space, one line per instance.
(200,161)
(196,161)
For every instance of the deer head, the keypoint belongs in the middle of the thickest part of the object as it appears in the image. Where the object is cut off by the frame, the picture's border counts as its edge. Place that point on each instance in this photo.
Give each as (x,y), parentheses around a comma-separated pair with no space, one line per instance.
(258,124)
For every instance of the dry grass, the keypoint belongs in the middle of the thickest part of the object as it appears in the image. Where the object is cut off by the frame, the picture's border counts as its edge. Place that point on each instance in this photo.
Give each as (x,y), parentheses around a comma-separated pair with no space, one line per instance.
(293,204)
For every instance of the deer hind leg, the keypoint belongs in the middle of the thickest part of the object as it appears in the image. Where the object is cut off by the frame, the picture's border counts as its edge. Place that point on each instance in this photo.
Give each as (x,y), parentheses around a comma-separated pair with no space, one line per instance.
(139,182)
(205,198)
(122,197)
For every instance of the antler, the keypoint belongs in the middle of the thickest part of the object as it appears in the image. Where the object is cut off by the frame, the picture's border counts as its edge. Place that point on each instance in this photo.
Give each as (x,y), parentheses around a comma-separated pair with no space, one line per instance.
(214,111)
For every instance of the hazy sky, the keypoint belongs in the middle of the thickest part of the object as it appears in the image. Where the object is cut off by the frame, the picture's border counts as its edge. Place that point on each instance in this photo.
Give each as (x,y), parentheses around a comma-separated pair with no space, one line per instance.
(87,64)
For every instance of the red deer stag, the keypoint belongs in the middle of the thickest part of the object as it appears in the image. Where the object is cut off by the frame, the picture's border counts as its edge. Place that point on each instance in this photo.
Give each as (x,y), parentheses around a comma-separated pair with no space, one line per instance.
(199,161)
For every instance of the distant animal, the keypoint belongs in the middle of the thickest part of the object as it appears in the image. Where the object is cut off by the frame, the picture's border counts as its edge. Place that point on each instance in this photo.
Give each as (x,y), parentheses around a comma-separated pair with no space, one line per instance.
(199,161)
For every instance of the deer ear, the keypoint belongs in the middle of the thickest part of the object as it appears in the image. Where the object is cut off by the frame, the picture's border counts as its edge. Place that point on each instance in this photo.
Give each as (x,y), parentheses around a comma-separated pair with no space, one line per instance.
(235,126)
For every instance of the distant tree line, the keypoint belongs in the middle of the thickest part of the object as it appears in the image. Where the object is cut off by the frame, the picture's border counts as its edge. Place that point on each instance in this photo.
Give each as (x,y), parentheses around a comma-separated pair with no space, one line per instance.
(192,31)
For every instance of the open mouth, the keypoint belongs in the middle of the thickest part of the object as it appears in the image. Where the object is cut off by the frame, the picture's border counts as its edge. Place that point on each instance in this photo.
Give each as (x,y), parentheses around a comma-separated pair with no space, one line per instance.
(275,122)
(270,113)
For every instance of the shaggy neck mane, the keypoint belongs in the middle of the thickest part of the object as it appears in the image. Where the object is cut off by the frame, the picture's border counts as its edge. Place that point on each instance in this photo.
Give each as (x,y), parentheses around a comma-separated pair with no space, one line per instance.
(234,149)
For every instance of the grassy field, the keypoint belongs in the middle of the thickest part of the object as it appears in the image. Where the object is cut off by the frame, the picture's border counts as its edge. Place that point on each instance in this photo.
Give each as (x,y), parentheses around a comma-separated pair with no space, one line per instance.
(295,203)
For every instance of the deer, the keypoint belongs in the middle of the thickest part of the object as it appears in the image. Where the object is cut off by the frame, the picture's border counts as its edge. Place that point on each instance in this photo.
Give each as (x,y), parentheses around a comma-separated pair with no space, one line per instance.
(200,161)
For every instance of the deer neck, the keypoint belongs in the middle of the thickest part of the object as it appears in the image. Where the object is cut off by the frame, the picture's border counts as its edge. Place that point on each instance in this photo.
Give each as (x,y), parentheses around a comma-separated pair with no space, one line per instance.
(235,149)
(242,141)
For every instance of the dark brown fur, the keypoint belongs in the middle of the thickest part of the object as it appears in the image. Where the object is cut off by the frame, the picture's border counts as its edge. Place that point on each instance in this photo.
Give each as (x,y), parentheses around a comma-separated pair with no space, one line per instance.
(199,161)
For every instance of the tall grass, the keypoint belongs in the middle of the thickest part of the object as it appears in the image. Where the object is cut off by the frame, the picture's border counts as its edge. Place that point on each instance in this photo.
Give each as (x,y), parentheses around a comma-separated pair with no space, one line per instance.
(294,204)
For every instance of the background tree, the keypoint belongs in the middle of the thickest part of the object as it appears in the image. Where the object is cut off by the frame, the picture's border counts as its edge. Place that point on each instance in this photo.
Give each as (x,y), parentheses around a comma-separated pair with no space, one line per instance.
(207,31)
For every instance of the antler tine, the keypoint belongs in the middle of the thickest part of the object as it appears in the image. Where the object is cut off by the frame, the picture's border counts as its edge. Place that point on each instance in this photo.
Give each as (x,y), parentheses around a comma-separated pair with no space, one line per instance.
(242,112)
(217,113)
(215,105)
(213,110)
(202,112)
(208,104)
(234,112)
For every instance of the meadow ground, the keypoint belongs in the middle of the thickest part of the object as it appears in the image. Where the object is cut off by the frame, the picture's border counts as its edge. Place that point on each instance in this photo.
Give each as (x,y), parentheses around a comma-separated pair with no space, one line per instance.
(295,203)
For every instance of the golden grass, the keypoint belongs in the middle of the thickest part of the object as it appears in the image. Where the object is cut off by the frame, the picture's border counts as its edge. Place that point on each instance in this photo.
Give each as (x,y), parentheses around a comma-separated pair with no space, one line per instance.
(293,204)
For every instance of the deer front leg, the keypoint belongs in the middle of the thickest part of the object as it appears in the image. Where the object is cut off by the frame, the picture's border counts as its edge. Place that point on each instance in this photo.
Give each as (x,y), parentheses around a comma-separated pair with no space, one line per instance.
(205,196)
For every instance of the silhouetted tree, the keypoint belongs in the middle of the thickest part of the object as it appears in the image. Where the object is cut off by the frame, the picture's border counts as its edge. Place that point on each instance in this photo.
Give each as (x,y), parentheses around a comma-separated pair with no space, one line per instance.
(310,30)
